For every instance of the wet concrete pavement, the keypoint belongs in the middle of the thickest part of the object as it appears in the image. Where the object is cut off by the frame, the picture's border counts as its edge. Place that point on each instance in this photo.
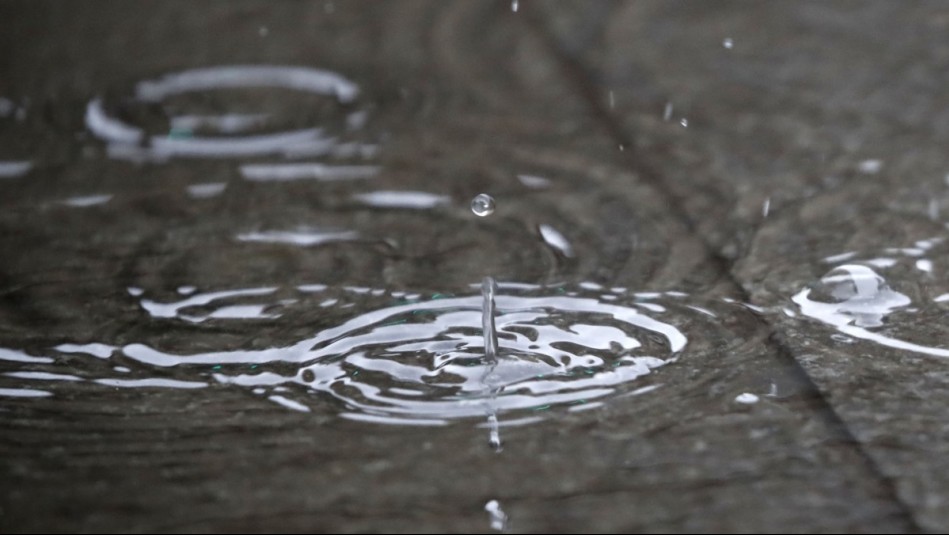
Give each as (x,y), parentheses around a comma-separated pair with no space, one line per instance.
(773,170)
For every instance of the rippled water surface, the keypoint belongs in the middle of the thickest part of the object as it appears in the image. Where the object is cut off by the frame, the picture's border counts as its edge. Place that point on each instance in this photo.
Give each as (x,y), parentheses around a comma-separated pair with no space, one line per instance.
(446,266)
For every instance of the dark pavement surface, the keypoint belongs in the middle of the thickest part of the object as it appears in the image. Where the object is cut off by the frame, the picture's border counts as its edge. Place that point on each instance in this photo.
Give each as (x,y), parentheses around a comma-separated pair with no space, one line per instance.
(462,97)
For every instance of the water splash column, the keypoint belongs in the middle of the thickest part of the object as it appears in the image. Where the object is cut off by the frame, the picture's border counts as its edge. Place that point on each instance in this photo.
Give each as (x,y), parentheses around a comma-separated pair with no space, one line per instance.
(483,205)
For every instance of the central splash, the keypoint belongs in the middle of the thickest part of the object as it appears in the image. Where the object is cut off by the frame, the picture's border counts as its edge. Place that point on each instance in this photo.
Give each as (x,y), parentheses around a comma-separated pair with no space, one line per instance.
(428,362)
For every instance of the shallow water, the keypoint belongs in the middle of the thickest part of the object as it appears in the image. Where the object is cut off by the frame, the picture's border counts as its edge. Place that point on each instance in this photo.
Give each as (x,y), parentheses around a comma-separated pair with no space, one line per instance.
(405,355)
(432,285)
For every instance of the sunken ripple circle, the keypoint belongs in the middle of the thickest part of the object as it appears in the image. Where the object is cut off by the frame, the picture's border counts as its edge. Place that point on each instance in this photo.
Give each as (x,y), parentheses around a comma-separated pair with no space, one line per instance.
(424,362)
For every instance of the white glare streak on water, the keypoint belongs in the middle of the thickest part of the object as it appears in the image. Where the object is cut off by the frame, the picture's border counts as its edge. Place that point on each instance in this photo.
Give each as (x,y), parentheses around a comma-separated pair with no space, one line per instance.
(300,78)
(24,393)
(13,355)
(15,169)
(102,351)
(175,309)
(288,403)
(533,181)
(150,383)
(413,200)
(287,172)
(228,123)
(206,190)
(302,237)
(86,201)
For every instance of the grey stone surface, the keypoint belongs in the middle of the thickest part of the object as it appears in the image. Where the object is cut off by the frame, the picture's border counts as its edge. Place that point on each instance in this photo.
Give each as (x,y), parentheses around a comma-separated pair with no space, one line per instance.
(833,113)
(462,97)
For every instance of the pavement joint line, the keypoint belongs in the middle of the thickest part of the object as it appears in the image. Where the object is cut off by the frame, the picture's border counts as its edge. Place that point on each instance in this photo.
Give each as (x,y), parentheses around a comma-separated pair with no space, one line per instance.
(576,75)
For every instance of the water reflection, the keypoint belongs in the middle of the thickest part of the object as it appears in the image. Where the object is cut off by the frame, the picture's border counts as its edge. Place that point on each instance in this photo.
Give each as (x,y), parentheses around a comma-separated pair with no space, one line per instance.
(14,169)
(858,302)
(230,134)
(413,361)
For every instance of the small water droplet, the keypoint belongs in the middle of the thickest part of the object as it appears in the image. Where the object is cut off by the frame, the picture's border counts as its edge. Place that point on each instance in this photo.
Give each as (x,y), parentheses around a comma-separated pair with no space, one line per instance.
(728,43)
(766,207)
(483,205)
(498,517)
(684,122)
(870,167)
(667,116)
(746,399)
(514,5)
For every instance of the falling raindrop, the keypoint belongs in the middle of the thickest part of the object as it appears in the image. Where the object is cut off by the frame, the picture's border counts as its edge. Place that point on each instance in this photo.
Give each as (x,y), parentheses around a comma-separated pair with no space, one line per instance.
(483,205)
(728,43)
(514,5)
(684,122)
(667,116)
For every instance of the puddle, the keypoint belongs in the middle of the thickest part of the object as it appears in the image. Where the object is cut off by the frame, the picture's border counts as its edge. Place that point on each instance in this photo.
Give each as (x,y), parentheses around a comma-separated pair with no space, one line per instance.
(406,359)
(878,295)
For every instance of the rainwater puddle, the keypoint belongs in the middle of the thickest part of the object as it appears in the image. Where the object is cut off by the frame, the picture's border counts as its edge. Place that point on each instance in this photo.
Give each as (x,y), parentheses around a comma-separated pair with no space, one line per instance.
(407,359)
(221,303)
(892,297)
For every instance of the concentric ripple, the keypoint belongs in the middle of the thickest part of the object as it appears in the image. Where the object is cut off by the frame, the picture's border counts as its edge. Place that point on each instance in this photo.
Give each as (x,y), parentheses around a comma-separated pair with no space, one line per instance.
(425,361)
(402,358)
(233,132)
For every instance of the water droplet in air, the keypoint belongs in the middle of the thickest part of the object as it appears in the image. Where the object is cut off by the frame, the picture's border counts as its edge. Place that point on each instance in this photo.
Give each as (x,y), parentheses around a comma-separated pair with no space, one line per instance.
(667,112)
(684,122)
(514,5)
(728,43)
(483,205)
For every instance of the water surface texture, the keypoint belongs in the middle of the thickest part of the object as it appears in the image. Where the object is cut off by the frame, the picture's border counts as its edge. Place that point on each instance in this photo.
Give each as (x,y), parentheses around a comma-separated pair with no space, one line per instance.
(473,266)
